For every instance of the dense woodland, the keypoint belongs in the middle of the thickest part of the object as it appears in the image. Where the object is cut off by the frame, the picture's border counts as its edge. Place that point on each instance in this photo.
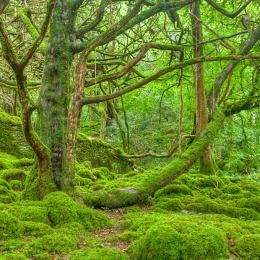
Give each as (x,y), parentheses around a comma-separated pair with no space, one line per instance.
(129,129)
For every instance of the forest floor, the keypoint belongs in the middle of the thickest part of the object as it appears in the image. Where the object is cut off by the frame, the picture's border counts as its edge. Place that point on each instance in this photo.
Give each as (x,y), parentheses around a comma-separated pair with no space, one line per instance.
(195,217)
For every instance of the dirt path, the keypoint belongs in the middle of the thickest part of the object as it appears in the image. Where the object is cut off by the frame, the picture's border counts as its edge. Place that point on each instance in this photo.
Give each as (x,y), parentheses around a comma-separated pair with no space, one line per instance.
(106,233)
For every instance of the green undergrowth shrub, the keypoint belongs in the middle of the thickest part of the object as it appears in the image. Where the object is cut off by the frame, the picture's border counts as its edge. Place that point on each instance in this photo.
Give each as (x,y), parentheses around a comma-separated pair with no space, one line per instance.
(99,253)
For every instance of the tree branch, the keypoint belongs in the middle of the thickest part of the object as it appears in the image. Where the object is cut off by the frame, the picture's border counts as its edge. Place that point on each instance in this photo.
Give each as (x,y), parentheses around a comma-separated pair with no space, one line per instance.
(246,47)
(91,100)
(225,12)
(133,62)
(41,36)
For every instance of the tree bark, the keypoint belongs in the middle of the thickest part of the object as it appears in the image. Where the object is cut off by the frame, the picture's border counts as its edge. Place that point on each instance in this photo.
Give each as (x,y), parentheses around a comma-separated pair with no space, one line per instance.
(54,99)
(198,74)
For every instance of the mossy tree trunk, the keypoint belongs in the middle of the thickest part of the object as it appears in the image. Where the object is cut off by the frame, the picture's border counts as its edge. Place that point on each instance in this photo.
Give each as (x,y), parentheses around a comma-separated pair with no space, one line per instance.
(54,100)
(198,72)
(147,185)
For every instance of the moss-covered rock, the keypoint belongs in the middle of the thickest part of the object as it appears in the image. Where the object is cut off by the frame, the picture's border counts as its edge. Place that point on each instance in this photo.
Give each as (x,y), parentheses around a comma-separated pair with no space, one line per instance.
(99,253)
(34,213)
(100,153)
(53,243)
(13,174)
(173,188)
(12,140)
(9,226)
(35,229)
(63,209)
(248,247)
(167,241)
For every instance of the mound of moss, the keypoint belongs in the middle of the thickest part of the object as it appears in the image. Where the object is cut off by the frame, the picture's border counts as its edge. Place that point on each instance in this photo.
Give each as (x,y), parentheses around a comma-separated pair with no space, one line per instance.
(248,247)
(167,241)
(7,195)
(63,209)
(9,226)
(53,243)
(100,153)
(99,253)
(12,140)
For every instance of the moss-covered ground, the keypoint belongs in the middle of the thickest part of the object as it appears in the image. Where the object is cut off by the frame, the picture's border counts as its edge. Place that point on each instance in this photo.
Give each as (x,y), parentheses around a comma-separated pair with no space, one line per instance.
(195,217)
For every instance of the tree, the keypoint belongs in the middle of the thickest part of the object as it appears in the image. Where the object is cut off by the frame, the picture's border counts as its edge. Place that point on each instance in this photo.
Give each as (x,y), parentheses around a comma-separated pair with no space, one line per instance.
(73,43)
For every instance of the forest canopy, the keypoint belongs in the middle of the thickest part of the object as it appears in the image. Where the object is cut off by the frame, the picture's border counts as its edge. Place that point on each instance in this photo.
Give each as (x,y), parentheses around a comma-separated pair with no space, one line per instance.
(147,111)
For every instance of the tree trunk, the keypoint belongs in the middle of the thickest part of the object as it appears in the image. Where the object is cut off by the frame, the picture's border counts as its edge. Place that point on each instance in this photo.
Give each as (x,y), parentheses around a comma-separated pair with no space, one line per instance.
(54,100)
(201,102)
(150,183)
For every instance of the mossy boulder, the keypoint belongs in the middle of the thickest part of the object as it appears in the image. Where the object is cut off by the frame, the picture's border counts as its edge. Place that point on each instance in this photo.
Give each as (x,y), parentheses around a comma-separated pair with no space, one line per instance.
(99,253)
(13,174)
(34,213)
(7,195)
(9,225)
(187,241)
(35,229)
(248,247)
(173,189)
(12,140)
(63,209)
(53,243)
(100,153)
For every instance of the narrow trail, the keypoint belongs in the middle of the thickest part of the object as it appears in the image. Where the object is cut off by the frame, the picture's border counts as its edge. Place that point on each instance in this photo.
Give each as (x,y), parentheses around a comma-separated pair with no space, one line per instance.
(104,234)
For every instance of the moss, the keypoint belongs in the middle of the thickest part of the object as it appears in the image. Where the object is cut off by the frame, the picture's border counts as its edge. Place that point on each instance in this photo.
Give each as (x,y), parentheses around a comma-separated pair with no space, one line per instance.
(9,226)
(53,243)
(251,203)
(7,195)
(164,241)
(12,139)
(170,204)
(13,244)
(16,185)
(232,189)
(103,173)
(173,188)
(35,229)
(13,256)
(99,253)
(33,213)
(211,206)
(82,181)
(13,174)
(100,153)
(63,209)
(248,247)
